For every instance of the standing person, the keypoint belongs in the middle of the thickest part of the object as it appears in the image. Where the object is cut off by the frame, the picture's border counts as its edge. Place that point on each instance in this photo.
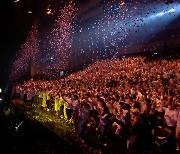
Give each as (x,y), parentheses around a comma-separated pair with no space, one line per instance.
(17,91)
(29,96)
(61,105)
(170,117)
(40,99)
(48,100)
(177,125)
(178,133)
(44,99)
(25,91)
(104,118)
(83,116)
(56,104)
(35,98)
(145,105)
(67,107)
(75,106)
(22,93)
(126,118)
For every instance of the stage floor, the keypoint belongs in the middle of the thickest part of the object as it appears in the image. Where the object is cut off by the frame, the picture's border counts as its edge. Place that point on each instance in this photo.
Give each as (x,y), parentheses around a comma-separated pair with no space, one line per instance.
(56,124)
(22,133)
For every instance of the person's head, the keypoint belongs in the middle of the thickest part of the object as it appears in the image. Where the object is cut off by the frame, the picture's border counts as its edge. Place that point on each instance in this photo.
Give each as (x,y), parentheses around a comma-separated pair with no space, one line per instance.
(75,97)
(86,106)
(126,106)
(137,105)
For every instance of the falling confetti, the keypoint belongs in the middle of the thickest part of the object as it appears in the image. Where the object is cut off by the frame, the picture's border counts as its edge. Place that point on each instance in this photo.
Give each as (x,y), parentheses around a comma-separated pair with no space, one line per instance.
(27,54)
(63,33)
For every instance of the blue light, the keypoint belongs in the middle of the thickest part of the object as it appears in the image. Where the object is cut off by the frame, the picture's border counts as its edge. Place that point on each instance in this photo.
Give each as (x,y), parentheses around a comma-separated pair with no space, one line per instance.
(160,14)
(172,10)
(163,13)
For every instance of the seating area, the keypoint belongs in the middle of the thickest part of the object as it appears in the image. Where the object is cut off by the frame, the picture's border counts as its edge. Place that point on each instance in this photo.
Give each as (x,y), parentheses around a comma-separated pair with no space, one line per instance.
(131,103)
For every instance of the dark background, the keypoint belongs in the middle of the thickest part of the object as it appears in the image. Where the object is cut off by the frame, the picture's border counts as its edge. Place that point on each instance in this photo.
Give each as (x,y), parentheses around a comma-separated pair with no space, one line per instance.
(14,27)
(16,23)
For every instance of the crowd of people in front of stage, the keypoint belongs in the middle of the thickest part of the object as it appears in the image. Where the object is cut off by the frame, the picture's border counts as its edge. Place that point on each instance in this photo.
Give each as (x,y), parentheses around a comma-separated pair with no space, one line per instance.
(134,99)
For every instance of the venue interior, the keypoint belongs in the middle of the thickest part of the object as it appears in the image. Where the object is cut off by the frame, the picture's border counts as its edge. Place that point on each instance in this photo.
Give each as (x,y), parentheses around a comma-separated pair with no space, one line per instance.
(90,76)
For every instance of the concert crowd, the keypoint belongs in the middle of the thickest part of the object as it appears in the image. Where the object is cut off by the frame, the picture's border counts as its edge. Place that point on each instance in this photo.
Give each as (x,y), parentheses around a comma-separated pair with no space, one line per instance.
(131,102)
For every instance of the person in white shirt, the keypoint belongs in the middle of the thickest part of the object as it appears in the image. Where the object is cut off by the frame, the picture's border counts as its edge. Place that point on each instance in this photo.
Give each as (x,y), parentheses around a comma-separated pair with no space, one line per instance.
(170,116)
(126,118)
(67,107)
(139,96)
(133,91)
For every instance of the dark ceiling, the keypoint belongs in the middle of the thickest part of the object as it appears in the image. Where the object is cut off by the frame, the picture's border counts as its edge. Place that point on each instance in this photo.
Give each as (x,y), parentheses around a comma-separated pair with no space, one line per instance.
(16,22)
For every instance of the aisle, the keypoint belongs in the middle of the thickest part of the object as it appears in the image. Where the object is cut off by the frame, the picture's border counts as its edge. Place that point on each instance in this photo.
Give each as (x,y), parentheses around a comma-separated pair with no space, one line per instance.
(55,125)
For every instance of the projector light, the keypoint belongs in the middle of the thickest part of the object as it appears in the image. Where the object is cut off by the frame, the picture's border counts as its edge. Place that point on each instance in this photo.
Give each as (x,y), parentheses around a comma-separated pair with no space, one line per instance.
(160,14)
(172,10)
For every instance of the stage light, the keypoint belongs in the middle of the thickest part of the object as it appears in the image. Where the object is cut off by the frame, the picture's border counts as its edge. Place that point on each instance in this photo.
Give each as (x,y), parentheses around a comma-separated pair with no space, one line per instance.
(29,12)
(16,1)
(49,11)
(160,14)
(80,30)
(165,12)
(172,10)
(122,3)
